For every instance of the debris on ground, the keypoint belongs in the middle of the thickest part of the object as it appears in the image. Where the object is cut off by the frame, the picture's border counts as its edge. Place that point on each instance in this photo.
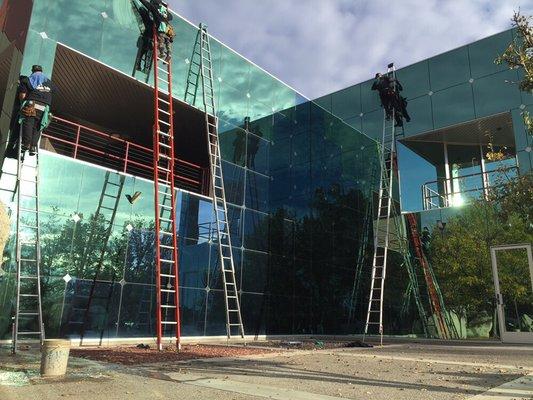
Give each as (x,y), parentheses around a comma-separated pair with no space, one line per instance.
(133,355)
(143,346)
(291,344)
(311,344)
(357,343)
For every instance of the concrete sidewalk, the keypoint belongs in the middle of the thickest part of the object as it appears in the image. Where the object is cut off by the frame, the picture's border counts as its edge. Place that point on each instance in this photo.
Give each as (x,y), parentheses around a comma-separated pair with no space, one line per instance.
(400,371)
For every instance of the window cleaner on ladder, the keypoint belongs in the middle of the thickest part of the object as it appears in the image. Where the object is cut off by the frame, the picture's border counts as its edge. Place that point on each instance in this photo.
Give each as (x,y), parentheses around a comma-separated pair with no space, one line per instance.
(156,13)
(35,98)
(389,89)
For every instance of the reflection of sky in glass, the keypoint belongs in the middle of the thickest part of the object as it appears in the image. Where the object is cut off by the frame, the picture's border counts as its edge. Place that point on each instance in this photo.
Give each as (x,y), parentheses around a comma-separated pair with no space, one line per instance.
(108,31)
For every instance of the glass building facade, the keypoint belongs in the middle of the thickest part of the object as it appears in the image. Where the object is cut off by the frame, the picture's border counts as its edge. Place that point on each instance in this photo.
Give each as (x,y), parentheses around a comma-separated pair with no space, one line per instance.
(296,181)
(301,179)
(466,137)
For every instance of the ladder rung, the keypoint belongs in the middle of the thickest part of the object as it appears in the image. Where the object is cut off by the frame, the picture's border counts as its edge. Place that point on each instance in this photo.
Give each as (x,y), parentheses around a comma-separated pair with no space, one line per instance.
(28,313)
(28,210)
(168,290)
(165,306)
(166,247)
(28,333)
(167,261)
(28,295)
(167,276)
(168,322)
(29,226)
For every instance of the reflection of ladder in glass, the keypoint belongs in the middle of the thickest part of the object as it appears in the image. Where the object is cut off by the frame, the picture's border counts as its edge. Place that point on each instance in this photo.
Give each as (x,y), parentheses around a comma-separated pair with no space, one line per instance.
(144,59)
(28,308)
(96,243)
(201,68)
(413,288)
(166,234)
(445,326)
(362,254)
(145,313)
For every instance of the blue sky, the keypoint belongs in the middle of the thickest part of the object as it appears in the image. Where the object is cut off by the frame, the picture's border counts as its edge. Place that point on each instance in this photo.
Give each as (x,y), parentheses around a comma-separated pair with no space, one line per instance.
(320,46)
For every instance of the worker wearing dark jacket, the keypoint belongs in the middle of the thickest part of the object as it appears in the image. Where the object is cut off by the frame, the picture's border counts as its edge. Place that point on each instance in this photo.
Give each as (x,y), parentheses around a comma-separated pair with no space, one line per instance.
(35,96)
(383,85)
(160,17)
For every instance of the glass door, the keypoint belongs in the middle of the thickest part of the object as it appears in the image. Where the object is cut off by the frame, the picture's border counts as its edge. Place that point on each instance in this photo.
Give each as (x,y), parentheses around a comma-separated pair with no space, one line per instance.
(512,268)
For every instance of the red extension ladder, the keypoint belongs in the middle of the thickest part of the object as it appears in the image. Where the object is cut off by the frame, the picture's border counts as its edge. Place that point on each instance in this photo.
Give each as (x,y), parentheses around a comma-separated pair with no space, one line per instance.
(166,240)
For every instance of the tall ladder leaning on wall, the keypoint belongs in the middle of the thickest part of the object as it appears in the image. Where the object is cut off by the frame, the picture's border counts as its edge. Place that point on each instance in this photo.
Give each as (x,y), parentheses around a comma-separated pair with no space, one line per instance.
(28,319)
(443,321)
(166,234)
(382,231)
(201,68)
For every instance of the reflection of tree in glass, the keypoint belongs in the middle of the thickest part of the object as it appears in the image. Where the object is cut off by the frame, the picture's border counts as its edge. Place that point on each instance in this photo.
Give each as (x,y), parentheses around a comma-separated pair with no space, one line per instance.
(461,256)
(326,243)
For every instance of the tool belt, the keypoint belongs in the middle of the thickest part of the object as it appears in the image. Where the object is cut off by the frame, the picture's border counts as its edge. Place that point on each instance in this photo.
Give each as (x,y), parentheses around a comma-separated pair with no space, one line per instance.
(30,109)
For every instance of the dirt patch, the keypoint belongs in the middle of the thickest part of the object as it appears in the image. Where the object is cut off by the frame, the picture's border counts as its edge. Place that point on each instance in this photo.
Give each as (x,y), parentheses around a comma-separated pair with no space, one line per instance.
(132,355)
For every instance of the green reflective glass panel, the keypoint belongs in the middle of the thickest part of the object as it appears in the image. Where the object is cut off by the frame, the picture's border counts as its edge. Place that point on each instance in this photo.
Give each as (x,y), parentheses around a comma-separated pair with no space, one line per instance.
(369,98)
(324,102)
(38,50)
(419,110)
(453,105)
(414,79)
(347,102)
(522,138)
(373,124)
(484,52)
(449,69)
(524,161)
(355,122)
(496,93)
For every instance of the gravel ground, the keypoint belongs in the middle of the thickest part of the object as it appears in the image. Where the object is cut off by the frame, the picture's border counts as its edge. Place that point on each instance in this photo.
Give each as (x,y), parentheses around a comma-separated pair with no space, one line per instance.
(399,372)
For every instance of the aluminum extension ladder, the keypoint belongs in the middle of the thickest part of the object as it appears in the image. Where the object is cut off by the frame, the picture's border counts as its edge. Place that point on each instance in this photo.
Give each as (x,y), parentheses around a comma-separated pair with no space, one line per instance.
(201,68)
(28,319)
(105,212)
(166,234)
(386,212)
(374,315)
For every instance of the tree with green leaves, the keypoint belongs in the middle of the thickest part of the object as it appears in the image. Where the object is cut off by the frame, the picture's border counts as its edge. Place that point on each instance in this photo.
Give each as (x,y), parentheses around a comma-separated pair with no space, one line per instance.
(519,55)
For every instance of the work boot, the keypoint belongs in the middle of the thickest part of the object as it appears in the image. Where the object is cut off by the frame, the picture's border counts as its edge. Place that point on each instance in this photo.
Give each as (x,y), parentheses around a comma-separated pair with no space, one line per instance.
(33,150)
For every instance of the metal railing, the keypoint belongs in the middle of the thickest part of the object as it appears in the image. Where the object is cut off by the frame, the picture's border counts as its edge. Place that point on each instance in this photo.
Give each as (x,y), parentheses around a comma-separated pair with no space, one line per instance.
(110,151)
(443,192)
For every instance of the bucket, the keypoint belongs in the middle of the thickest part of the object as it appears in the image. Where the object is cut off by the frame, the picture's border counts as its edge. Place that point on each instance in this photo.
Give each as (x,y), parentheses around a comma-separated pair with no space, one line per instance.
(54,357)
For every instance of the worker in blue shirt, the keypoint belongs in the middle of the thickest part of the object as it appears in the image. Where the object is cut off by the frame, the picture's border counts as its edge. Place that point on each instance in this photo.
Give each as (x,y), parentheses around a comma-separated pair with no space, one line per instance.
(35,95)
